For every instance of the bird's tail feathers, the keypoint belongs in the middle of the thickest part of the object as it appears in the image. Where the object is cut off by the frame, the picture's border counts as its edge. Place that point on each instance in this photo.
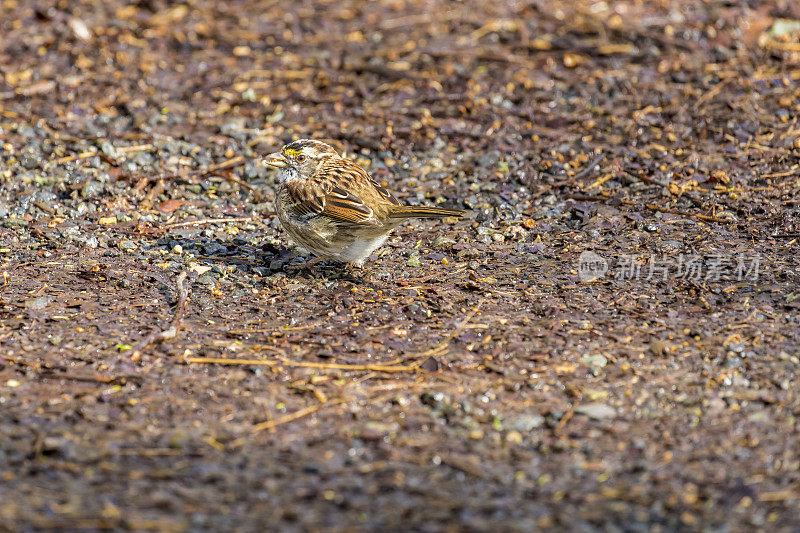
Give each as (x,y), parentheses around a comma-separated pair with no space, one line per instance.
(423,211)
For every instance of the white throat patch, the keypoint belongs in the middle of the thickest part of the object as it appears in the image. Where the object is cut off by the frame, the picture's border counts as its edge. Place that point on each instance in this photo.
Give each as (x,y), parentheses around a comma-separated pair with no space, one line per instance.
(288,174)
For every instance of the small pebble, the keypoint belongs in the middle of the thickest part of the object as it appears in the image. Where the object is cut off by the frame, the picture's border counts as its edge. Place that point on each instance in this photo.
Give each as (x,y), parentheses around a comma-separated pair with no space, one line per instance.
(597,411)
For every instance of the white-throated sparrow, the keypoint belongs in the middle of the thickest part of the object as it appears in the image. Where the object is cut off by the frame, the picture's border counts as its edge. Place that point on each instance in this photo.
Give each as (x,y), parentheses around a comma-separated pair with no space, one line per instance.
(331,206)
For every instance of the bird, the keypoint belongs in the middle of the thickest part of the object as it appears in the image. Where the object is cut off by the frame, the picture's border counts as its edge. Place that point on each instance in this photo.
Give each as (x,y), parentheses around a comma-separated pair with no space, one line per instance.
(331,206)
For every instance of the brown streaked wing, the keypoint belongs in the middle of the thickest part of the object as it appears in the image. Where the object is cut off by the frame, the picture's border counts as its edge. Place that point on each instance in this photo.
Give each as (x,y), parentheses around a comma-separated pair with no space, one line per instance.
(389,197)
(344,206)
(350,175)
(308,199)
(311,198)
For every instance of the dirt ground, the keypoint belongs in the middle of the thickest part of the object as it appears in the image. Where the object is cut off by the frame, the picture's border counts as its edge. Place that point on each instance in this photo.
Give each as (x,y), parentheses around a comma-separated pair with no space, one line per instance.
(607,341)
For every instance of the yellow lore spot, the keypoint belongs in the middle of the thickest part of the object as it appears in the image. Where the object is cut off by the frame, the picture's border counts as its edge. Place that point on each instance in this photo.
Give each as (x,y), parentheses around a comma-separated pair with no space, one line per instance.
(291,152)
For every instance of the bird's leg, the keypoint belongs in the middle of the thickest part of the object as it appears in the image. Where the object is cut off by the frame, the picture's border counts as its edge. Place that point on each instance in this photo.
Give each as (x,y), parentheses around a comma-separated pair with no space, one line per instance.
(304,266)
(355,270)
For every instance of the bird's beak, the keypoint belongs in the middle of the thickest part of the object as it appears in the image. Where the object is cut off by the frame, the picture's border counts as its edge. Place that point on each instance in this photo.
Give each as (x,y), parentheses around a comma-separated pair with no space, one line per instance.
(276,160)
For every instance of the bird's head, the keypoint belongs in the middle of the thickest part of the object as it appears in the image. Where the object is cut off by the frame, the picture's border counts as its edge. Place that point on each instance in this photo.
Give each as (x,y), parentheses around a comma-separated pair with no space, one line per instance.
(299,159)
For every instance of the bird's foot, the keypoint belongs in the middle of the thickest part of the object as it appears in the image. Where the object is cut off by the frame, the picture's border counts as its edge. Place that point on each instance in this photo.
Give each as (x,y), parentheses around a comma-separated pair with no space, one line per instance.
(368,274)
(299,267)
(352,268)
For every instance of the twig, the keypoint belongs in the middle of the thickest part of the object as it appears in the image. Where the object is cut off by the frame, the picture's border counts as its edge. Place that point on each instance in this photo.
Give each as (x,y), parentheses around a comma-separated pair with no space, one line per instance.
(382,71)
(223,361)
(228,176)
(151,452)
(306,364)
(45,208)
(123,149)
(440,348)
(588,198)
(645,179)
(779,495)
(270,424)
(36,365)
(706,218)
(230,163)
(147,201)
(445,343)
(463,464)
(82,155)
(172,331)
(707,96)
(203,221)
(564,420)
(272,330)
(340,366)
(599,181)
(786,47)
(596,161)
(568,180)
(51,374)
(784,174)
(136,148)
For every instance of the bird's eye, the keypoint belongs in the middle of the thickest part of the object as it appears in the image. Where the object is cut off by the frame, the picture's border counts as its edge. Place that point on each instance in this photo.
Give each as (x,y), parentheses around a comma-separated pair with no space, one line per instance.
(301,157)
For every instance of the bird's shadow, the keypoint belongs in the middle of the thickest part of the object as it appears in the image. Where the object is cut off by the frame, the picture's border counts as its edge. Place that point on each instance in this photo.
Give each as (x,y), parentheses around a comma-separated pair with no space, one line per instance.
(265,260)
